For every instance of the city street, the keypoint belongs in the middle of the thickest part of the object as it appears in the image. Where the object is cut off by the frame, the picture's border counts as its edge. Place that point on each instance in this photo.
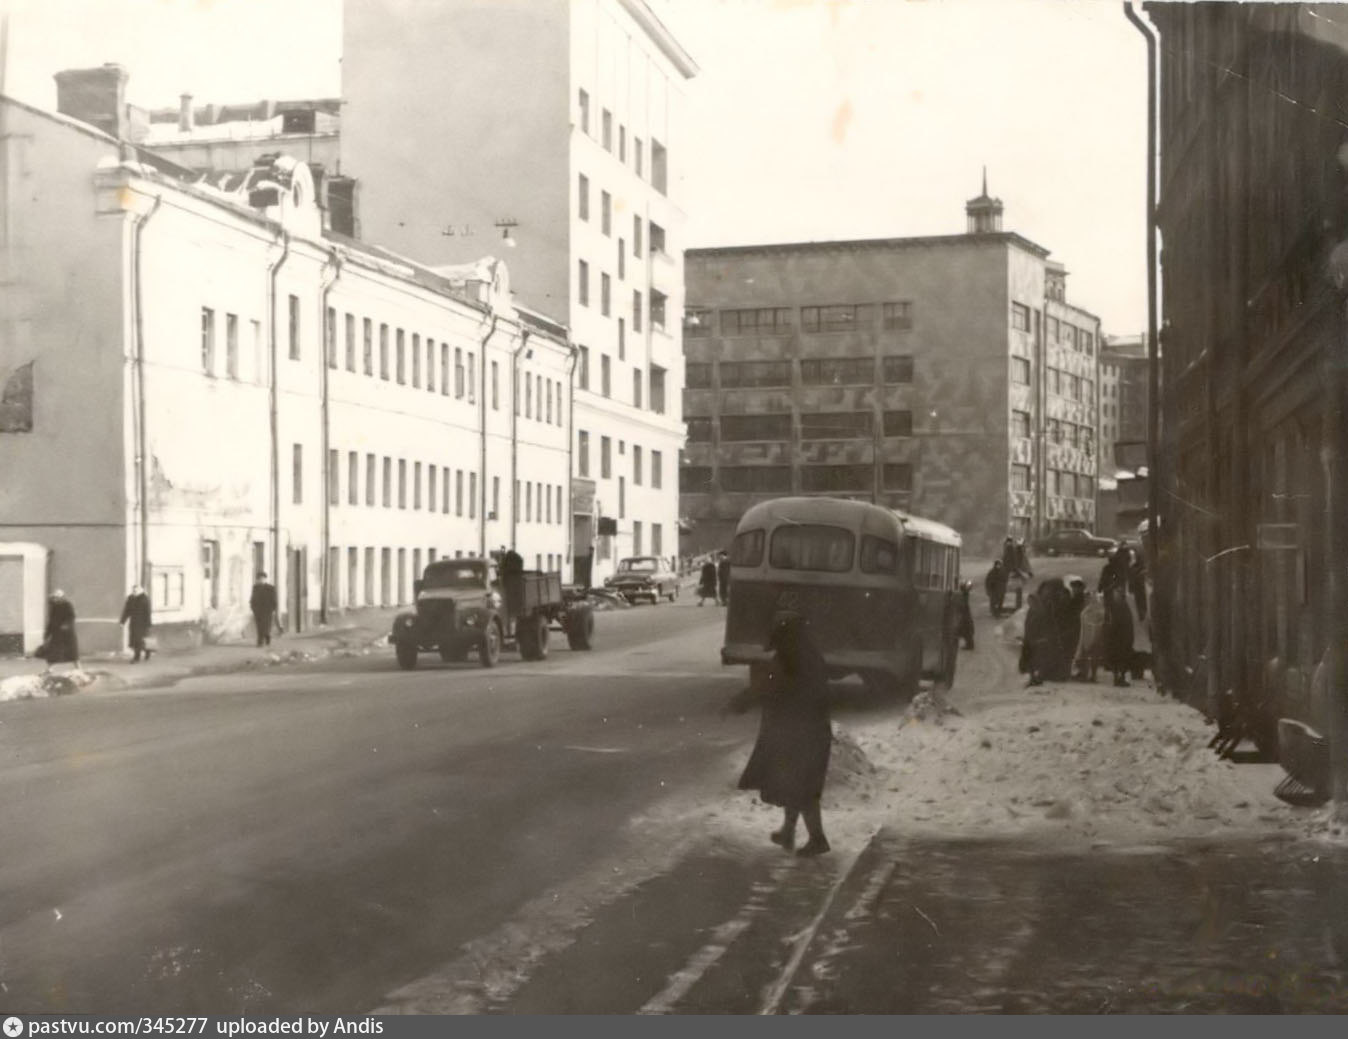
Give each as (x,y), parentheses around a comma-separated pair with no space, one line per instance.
(565,837)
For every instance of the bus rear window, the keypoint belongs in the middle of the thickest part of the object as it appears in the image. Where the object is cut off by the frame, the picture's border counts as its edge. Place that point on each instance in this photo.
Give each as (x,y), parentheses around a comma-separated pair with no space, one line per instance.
(812,547)
(747,549)
(878,556)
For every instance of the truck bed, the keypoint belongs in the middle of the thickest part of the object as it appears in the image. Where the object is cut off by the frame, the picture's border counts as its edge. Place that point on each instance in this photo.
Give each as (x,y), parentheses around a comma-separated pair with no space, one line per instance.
(530,591)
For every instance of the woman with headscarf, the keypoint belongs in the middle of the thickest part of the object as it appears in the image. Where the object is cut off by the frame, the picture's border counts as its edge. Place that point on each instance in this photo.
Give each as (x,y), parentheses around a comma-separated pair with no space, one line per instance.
(60,644)
(1118,634)
(136,615)
(790,757)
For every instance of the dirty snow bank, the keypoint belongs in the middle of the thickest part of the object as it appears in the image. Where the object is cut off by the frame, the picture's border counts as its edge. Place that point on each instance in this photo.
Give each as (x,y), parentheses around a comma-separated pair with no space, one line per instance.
(40,685)
(1079,763)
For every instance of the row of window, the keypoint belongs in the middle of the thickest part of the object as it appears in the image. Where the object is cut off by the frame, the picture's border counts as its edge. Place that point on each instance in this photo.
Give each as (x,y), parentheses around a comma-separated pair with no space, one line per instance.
(821,425)
(659,301)
(820,479)
(1059,331)
(1061,484)
(700,323)
(658,240)
(659,156)
(817,546)
(657,378)
(382,577)
(657,539)
(657,463)
(834,371)
(1059,431)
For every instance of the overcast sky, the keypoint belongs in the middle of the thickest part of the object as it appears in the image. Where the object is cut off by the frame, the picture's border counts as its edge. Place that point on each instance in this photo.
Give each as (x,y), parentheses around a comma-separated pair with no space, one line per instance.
(811,119)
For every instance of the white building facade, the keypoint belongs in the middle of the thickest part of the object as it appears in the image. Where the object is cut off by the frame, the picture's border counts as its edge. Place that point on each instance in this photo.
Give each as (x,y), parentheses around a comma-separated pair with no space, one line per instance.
(217,389)
(576,139)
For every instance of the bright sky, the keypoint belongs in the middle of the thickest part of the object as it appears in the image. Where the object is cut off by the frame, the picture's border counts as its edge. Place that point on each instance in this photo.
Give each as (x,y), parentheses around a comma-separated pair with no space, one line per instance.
(811,119)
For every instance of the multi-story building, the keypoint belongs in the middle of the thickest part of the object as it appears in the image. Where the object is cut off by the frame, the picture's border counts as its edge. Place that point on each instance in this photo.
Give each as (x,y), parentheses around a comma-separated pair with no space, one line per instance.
(557,123)
(198,384)
(1124,394)
(948,376)
(1252,214)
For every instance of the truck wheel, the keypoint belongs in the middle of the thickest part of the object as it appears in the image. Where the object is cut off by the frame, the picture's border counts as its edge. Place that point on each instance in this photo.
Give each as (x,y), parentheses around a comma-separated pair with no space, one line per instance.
(407,655)
(489,648)
(539,637)
(580,628)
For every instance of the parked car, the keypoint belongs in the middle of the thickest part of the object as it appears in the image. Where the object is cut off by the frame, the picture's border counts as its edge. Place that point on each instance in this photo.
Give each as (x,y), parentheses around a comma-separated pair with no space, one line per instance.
(1073,542)
(464,606)
(644,577)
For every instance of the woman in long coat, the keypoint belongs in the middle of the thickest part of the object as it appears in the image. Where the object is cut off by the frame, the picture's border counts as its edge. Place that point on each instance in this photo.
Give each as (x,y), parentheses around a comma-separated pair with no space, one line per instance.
(790,758)
(136,616)
(1118,635)
(59,638)
(706,582)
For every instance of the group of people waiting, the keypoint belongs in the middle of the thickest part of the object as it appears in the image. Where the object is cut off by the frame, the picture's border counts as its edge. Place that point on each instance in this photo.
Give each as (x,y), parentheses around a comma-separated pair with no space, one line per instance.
(1008,574)
(1071,633)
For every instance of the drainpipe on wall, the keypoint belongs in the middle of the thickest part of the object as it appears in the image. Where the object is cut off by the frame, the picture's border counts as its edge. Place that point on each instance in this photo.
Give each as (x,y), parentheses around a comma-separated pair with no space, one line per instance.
(272,271)
(334,265)
(482,429)
(142,438)
(570,515)
(514,434)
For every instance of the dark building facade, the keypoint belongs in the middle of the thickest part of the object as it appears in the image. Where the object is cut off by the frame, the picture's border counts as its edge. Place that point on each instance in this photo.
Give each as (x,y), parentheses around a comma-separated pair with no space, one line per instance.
(947,376)
(1253,210)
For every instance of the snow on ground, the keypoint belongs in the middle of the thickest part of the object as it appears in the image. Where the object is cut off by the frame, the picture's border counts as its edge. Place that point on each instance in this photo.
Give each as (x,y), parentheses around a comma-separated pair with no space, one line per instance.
(40,685)
(1071,763)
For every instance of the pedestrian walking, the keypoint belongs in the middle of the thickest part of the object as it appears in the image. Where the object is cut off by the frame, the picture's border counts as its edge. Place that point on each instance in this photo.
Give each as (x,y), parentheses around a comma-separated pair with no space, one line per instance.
(995,585)
(263,604)
(789,762)
(706,583)
(723,579)
(965,627)
(136,616)
(60,643)
(1114,574)
(1118,656)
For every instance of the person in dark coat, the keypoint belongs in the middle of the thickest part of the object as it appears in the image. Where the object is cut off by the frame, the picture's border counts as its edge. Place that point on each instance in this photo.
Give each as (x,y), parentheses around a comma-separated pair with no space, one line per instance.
(60,644)
(263,604)
(965,627)
(706,583)
(1046,652)
(1137,584)
(1114,574)
(723,579)
(789,762)
(1118,635)
(995,585)
(136,615)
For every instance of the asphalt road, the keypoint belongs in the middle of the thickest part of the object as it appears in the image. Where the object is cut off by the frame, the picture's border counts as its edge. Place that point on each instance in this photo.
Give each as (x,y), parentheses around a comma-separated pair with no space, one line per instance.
(309,838)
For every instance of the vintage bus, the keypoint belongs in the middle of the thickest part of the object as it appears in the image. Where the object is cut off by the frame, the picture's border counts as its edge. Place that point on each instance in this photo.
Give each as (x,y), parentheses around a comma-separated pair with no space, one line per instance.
(878,588)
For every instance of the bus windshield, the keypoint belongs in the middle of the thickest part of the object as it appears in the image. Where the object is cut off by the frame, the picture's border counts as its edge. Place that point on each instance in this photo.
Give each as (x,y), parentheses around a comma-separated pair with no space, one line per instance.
(811,546)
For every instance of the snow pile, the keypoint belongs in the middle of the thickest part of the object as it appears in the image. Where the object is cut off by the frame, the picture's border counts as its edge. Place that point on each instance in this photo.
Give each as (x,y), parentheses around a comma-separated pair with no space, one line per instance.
(39,686)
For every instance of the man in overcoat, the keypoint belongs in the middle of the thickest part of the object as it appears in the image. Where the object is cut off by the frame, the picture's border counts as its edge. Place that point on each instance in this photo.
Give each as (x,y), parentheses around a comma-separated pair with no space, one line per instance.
(263,604)
(136,615)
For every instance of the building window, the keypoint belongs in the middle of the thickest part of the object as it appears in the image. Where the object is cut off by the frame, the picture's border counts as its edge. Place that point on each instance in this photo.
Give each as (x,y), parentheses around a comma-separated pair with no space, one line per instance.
(368,349)
(636,236)
(636,465)
(657,394)
(605,376)
(1020,371)
(388,482)
(1020,423)
(369,479)
(583,453)
(657,470)
(898,423)
(167,586)
(757,373)
(430,364)
(402,483)
(636,311)
(636,537)
(330,337)
(835,425)
(583,196)
(458,492)
(529,501)
(1020,317)
(897,476)
(584,112)
(528,395)
(896,369)
(583,367)
(548,412)
(755,478)
(826,478)
(472,495)
(699,429)
(605,458)
(583,282)
(232,345)
(659,166)
(334,474)
(208,340)
(351,346)
(294,328)
(606,130)
(383,351)
(605,294)
(495,497)
(297,474)
(622,338)
(622,258)
(758,321)
(606,213)
(444,489)
(401,358)
(657,238)
(622,497)
(850,371)
(416,485)
(697,376)
(697,322)
(1020,477)
(837,317)
(755,427)
(658,304)
(353,478)
(444,369)
(636,387)
(897,316)
(458,372)
(622,144)
(637,156)
(696,479)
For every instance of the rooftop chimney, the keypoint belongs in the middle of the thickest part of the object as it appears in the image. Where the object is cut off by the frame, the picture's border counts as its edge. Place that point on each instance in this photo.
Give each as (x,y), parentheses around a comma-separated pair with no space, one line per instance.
(95,96)
(185,112)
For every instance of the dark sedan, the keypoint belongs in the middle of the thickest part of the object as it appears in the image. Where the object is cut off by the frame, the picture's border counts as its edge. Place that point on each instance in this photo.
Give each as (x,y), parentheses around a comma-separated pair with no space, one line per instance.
(1073,542)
